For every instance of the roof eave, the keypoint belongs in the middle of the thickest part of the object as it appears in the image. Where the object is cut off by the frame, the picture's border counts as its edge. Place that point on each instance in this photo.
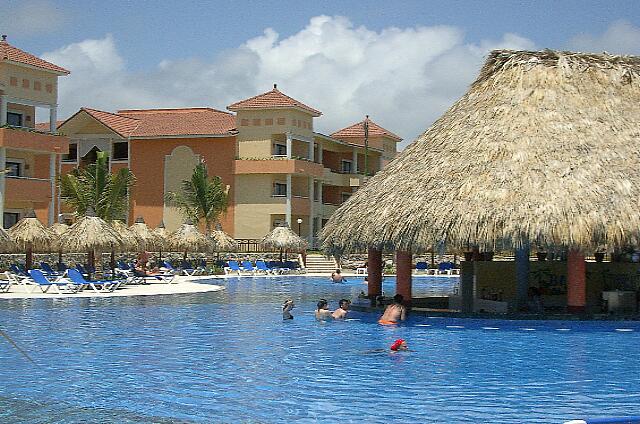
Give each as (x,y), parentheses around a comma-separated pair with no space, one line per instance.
(312,112)
(39,68)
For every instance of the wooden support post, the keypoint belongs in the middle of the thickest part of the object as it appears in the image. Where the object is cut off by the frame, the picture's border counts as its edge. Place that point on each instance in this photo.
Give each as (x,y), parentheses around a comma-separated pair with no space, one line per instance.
(404,265)
(576,282)
(374,272)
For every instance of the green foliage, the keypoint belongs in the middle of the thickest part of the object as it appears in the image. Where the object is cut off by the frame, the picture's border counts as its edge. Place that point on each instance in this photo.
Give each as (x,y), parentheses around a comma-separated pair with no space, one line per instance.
(201,197)
(94,187)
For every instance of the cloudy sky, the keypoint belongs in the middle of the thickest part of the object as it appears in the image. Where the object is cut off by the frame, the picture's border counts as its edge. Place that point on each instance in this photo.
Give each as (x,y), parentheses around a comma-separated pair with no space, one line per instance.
(403,63)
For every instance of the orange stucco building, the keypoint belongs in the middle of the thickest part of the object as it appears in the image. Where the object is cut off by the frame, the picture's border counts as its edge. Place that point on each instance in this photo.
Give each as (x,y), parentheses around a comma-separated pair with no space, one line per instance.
(265,149)
(29,154)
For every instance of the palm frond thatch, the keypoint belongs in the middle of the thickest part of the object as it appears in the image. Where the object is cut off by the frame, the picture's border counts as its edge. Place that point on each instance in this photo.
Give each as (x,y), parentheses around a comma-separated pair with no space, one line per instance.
(6,245)
(188,238)
(30,234)
(127,237)
(543,147)
(59,228)
(145,238)
(161,236)
(90,233)
(222,242)
(283,238)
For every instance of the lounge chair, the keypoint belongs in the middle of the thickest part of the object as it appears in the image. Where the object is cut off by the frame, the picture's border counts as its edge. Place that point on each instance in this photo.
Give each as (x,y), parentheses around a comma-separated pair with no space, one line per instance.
(247,266)
(5,285)
(18,272)
(422,267)
(261,266)
(47,270)
(105,285)
(140,277)
(45,284)
(277,267)
(18,280)
(233,267)
(190,270)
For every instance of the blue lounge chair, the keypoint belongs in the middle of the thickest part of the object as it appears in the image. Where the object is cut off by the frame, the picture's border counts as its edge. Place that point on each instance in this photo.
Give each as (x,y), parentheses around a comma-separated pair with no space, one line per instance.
(190,270)
(422,266)
(17,271)
(46,269)
(166,265)
(247,266)
(105,285)
(261,266)
(45,284)
(233,267)
(140,277)
(62,267)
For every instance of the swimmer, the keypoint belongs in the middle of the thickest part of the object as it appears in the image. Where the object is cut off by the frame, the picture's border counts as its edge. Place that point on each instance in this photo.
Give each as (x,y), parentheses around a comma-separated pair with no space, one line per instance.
(337,277)
(399,344)
(341,312)
(323,313)
(394,312)
(287,306)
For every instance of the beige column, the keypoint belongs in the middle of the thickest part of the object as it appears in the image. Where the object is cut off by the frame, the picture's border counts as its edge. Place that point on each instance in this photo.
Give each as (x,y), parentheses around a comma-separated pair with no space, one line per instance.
(52,179)
(3,109)
(311,155)
(289,147)
(319,152)
(355,162)
(3,166)
(287,217)
(53,118)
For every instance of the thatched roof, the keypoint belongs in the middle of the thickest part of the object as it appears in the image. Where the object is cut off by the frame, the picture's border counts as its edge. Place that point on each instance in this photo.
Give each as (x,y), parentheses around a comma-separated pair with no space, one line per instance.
(145,238)
(59,228)
(127,238)
(30,233)
(544,147)
(162,236)
(222,242)
(6,245)
(188,238)
(90,233)
(283,238)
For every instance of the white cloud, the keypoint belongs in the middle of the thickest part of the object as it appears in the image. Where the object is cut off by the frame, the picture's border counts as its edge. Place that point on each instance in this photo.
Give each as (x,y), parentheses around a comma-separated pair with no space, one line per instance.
(404,78)
(621,37)
(31,17)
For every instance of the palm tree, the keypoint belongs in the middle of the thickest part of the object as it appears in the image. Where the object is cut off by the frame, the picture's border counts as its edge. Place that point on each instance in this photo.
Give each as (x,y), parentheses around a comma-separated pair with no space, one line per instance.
(94,187)
(201,198)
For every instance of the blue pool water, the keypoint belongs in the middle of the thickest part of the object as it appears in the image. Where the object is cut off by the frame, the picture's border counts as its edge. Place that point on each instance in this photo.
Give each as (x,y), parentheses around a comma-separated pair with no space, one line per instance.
(229,357)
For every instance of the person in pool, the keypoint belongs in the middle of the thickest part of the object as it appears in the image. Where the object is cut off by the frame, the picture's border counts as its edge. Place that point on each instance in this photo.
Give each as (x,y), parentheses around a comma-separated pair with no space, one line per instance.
(287,306)
(341,312)
(323,313)
(399,344)
(337,277)
(395,312)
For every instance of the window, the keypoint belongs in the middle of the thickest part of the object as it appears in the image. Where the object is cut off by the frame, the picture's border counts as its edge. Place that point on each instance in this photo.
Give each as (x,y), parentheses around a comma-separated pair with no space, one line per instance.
(72,156)
(49,88)
(120,151)
(280,121)
(14,119)
(256,122)
(13,81)
(10,219)
(25,83)
(14,169)
(268,121)
(37,85)
(347,166)
(244,122)
(279,189)
(345,196)
(279,149)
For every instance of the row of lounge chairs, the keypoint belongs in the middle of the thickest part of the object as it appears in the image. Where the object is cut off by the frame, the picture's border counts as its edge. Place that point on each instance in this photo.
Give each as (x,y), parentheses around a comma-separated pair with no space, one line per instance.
(262,267)
(444,268)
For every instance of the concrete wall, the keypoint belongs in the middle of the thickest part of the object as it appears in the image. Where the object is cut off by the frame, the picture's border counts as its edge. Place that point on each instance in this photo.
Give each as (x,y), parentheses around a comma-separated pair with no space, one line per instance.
(13,76)
(254,204)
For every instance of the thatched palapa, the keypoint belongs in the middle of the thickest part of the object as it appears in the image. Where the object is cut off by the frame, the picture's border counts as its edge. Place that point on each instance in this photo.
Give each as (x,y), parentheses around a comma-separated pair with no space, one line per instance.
(29,235)
(544,147)
(283,238)
(222,242)
(145,238)
(90,233)
(128,240)
(187,238)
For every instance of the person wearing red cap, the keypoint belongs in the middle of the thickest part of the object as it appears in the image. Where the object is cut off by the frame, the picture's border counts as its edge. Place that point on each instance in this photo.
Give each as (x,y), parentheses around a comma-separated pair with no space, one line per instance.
(399,344)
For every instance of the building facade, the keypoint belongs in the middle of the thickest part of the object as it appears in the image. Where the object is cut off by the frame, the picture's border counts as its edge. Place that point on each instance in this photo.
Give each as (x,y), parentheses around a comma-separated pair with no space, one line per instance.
(29,154)
(277,168)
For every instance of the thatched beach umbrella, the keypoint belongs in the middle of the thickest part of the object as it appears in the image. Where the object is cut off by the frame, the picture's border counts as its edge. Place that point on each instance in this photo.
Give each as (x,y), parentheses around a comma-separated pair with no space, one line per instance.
(90,234)
(543,148)
(29,235)
(145,238)
(58,229)
(127,237)
(222,242)
(187,238)
(162,239)
(282,238)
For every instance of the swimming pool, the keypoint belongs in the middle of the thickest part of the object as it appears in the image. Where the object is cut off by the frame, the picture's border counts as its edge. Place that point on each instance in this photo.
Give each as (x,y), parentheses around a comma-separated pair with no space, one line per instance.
(229,357)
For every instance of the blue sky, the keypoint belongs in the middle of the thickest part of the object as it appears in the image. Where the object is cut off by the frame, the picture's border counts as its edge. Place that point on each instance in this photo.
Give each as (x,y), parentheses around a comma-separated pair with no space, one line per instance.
(403,62)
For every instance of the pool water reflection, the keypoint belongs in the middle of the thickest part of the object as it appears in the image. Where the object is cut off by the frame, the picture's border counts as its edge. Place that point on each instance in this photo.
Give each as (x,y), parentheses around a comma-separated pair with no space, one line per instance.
(228,357)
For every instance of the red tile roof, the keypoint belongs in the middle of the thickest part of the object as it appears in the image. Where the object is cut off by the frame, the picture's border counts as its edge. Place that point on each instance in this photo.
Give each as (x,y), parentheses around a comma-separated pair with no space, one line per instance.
(357,131)
(44,126)
(123,125)
(14,54)
(273,99)
(177,122)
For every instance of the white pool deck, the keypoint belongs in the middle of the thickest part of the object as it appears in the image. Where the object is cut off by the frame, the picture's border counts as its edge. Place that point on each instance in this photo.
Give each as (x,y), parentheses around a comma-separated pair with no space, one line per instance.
(180,285)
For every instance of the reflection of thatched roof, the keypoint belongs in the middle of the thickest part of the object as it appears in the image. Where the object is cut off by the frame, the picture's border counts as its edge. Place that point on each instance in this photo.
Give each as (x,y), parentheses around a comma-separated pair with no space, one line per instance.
(145,238)
(128,239)
(90,233)
(543,147)
(30,233)
(188,238)
(222,242)
(283,238)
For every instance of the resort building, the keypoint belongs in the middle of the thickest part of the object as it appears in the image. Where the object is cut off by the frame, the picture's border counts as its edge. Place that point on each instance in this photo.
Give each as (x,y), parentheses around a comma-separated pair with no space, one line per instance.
(29,156)
(265,149)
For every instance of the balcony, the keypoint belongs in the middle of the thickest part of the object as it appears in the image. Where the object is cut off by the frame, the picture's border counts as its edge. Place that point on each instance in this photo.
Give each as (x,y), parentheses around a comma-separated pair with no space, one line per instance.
(331,177)
(277,165)
(28,139)
(27,189)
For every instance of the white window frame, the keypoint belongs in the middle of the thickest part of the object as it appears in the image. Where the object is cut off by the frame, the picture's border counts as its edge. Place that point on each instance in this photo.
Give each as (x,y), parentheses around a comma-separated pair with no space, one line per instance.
(113,158)
(342,166)
(279,183)
(17,112)
(275,149)
(22,163)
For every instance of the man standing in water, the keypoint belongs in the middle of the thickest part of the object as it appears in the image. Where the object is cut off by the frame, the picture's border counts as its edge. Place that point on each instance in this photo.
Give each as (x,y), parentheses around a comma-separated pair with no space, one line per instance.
(341,312)
(323,313)
(395,312)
